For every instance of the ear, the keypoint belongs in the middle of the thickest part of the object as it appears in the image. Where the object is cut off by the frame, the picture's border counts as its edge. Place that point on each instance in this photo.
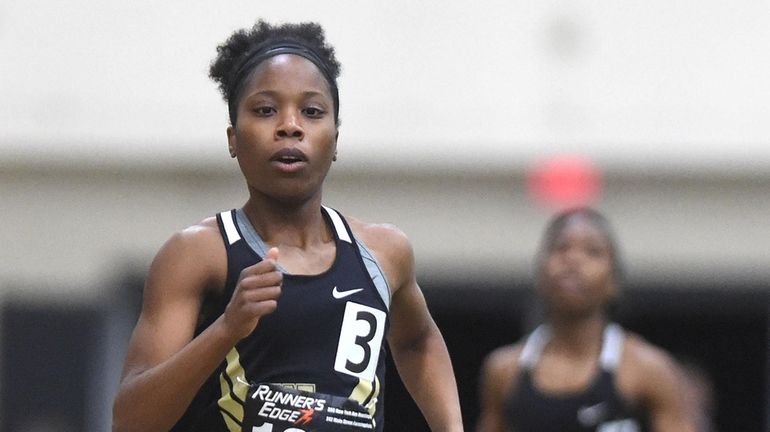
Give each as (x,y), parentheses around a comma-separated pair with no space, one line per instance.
(231,142)
(336,137)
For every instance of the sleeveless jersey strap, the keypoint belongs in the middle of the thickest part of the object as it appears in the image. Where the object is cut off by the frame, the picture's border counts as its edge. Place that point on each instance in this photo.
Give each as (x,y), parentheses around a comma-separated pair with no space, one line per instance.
(227,225)
(612,347)
(339,226)
(368,263)
(533,347)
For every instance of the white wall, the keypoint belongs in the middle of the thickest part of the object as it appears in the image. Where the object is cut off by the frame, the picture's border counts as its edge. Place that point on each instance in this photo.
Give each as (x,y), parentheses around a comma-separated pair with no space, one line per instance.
(647,86)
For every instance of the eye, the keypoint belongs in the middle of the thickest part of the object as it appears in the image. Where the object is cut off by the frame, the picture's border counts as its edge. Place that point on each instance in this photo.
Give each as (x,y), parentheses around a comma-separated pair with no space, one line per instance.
(560,247)
(314,112)
(595,251)
(264,110)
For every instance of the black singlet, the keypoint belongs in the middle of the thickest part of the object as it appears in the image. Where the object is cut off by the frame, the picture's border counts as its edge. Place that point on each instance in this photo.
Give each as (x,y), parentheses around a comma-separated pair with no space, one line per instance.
(598,408)
(327,336)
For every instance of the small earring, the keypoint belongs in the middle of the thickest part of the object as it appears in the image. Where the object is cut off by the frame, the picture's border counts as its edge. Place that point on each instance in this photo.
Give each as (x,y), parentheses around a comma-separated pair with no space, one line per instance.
(334,158)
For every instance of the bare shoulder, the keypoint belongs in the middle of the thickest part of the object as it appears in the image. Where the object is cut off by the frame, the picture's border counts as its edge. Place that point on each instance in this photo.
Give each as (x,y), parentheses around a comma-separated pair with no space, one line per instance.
(498,375)
(652,378)
(502,363)
(194,253)
(646,369)
(390,247)
(202,239)
(204,233)
(381,236)
(646,357)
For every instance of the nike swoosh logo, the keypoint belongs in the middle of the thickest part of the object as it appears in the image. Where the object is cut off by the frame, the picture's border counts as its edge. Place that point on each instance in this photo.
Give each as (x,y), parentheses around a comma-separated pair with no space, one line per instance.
(592,415)
(342,294)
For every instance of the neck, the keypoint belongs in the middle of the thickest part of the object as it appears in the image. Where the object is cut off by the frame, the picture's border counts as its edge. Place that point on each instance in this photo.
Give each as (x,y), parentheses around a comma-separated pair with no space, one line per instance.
(578,335)
(295,225)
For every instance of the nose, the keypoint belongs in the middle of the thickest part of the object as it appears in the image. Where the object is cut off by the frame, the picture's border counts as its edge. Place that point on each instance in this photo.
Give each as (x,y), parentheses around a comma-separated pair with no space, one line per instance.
(573,256)
(289,127)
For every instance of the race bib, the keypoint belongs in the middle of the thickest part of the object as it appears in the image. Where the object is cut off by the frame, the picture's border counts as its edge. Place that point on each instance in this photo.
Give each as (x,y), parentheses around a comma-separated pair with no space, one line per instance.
(358,349)
(273,408)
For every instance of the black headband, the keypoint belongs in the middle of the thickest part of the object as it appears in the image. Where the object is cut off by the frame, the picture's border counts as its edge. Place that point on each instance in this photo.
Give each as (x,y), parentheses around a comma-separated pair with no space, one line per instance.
(261,54)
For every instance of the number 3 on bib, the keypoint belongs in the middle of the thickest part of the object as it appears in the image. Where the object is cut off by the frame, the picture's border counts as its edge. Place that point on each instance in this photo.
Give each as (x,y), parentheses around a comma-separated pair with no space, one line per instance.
(358,350)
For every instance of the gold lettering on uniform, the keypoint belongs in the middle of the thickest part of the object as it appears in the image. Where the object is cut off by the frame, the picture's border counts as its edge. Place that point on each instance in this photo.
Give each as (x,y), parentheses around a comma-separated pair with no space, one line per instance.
(237,385)
(308,387)
(367,390)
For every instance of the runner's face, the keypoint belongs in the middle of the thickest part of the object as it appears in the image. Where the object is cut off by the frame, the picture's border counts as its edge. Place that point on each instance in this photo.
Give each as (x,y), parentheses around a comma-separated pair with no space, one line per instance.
(285,136)
(577,274)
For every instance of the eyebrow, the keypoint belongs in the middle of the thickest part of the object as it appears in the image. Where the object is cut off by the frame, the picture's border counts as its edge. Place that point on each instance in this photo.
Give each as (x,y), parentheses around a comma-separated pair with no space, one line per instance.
(275,94)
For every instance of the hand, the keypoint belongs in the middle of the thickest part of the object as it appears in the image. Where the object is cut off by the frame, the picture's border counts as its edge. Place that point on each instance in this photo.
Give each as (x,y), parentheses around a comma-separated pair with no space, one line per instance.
(255,295)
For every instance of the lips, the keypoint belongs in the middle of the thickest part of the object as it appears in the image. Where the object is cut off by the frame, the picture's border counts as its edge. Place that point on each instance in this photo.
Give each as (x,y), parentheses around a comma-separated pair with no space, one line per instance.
(570,281)
(289,159)
(289,155)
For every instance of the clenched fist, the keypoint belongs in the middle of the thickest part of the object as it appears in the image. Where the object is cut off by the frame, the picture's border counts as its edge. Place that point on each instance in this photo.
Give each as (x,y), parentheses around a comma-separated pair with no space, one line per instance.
(255,295)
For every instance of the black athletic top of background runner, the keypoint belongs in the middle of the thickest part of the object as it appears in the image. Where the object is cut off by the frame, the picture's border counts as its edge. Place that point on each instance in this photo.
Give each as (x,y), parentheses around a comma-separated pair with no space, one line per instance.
(598,408)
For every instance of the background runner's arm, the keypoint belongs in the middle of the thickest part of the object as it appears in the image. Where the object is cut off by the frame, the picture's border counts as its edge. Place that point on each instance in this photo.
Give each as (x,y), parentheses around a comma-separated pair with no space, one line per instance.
(663,392)
(495,379)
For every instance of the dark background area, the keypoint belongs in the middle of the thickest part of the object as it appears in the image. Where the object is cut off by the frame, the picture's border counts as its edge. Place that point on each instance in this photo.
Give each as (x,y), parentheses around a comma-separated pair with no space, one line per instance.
(47,367)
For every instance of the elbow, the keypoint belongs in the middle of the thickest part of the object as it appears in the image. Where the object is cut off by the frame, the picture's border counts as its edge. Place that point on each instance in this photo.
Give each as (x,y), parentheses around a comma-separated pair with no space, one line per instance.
(122,418)
(130,415)
(120,422)
(118,427)
(419,341)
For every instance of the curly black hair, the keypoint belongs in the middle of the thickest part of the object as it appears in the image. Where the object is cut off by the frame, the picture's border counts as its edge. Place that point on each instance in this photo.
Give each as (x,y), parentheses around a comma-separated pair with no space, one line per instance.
(234,53)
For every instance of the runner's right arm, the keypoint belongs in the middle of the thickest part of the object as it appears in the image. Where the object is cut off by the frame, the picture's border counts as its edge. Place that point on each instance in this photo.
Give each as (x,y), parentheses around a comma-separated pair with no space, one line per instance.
(165,367)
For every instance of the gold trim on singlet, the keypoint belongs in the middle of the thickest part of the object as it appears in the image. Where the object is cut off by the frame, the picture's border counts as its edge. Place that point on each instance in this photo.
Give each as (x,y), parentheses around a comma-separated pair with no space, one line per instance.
(234,387)
(366,393)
